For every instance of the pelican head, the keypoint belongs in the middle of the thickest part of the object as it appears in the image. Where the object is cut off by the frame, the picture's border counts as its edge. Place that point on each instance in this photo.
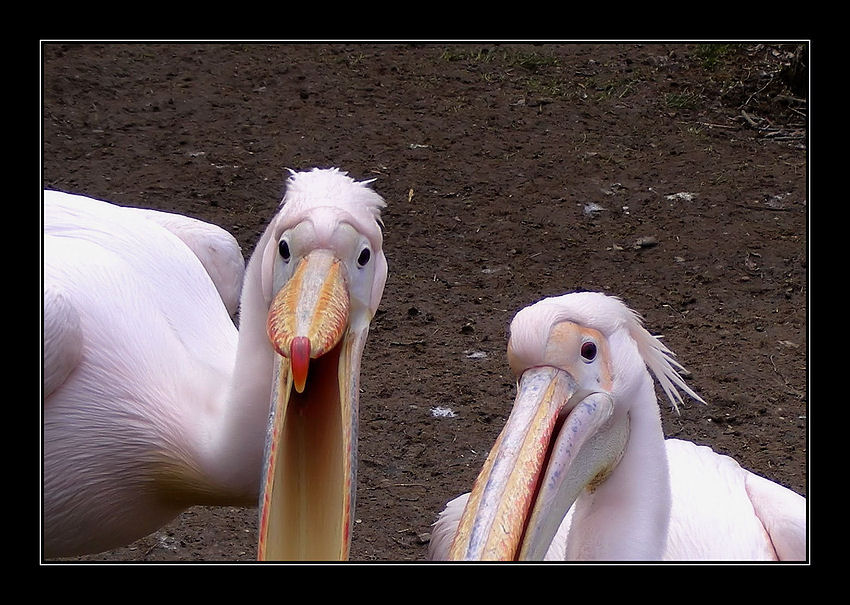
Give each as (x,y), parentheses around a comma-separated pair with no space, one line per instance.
(322,271)
(581,365)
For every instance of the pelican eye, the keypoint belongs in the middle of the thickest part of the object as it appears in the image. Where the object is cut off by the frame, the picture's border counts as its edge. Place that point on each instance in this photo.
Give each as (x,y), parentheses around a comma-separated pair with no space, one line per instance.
(588,350)
(364,257)
(283,248)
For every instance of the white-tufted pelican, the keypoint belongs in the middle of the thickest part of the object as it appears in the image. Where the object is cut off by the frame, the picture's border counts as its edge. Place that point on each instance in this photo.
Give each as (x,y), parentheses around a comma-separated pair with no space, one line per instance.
(153,402)
(581,470)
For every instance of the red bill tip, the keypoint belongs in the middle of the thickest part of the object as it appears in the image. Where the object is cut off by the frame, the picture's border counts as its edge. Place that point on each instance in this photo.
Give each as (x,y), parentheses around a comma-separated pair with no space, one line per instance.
(299,361)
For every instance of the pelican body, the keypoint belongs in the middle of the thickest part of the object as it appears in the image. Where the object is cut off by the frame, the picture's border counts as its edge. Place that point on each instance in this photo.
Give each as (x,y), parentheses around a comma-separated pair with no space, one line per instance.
(153,402)
(581,470)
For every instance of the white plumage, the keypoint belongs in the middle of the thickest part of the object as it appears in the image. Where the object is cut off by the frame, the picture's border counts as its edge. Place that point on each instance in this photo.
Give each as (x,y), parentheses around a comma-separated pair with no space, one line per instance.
(612,488)
(152,401)
(129,314)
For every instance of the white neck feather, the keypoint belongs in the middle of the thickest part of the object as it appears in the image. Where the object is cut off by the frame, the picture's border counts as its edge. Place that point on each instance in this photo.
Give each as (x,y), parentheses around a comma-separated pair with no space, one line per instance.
(627,516)
(236,455)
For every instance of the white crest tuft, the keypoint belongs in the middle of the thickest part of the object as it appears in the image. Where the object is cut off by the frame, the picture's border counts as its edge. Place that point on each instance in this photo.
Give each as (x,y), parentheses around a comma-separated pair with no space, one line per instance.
(609,314)
(332,187)
(337,196)
(661,363)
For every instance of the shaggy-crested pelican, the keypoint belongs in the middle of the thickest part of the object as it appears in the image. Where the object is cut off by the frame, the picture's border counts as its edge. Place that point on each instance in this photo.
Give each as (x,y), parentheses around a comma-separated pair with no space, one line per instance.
(581,470)
(152,400)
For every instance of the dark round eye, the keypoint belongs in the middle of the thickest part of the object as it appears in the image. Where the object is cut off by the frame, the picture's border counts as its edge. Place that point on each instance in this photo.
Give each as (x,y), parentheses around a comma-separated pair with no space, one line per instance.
(364,257)
(588,350)
(283,248)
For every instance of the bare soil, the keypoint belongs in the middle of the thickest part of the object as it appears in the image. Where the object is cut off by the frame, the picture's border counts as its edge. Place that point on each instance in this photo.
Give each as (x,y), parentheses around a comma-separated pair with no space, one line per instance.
(671,175)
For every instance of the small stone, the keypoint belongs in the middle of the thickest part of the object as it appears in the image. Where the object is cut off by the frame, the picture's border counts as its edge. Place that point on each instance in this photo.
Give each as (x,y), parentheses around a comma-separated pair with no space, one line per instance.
(646,242)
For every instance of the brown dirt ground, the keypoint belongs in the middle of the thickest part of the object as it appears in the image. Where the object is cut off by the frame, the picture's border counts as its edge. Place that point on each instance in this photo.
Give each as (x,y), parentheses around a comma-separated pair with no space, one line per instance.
(488,156)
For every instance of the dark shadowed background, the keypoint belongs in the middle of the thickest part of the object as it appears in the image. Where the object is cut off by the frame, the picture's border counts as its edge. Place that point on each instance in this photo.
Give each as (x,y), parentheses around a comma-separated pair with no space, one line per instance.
(671,175)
